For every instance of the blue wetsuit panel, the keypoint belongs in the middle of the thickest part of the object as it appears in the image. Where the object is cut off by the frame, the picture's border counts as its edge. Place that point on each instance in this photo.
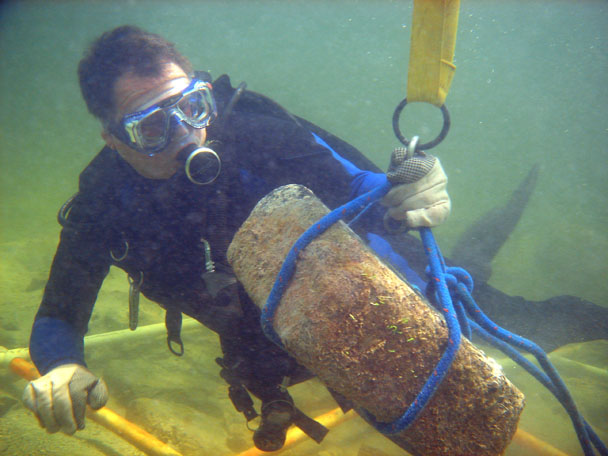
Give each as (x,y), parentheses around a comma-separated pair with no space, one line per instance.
(364,181)
(53,343)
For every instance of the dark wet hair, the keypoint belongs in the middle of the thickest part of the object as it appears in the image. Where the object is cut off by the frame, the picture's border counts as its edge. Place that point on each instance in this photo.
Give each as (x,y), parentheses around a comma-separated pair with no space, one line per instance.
(122,50)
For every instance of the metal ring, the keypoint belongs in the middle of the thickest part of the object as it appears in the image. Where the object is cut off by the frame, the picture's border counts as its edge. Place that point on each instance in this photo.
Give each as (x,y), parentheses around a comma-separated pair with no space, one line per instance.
(442,134)
(217,162)
(118,259)
(131,280)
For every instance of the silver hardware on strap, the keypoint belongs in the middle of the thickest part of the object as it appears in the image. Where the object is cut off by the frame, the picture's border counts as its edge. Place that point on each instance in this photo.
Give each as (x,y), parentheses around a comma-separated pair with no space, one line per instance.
(134,288)
(118,259)
(209,264)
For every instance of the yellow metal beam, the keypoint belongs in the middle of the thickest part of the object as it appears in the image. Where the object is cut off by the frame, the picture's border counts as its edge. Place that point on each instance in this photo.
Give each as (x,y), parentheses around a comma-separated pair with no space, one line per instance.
(112,421)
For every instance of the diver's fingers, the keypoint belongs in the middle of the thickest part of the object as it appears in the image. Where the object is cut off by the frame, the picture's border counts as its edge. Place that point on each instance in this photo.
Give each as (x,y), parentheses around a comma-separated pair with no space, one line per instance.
(63,409)
(38,398)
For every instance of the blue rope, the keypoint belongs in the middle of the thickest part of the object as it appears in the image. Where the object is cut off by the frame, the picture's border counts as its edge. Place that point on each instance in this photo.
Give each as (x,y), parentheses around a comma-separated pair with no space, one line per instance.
(548,376)
(289,265)
(536,373)
(461,286)
(288,268)
(443,366)
(445,283)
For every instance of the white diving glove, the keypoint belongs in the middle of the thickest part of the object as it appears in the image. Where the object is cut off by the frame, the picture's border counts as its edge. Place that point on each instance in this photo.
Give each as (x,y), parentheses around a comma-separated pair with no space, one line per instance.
(59,398)
(419,195)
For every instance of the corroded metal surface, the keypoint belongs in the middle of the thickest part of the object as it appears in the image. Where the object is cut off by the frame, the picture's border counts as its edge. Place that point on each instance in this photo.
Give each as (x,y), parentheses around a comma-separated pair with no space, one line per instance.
(365,333)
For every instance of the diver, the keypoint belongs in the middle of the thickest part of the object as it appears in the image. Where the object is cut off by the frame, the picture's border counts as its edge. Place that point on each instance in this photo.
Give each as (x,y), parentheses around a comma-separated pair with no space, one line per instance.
(185,160)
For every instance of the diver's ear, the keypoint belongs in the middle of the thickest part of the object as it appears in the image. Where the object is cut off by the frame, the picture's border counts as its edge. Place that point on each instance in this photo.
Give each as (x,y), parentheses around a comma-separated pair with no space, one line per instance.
(109,139)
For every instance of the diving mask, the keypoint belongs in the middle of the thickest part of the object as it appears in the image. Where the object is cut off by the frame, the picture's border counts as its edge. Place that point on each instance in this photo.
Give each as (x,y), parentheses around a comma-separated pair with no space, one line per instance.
(149,130)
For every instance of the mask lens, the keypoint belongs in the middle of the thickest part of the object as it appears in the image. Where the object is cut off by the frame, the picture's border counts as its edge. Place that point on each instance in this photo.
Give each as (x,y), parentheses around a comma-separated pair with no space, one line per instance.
(153,128)
(149,130)
(194,107)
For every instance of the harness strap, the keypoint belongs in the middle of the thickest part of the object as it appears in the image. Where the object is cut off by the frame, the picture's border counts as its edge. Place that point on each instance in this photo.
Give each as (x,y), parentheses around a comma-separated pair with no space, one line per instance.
(236,391)
(173,322)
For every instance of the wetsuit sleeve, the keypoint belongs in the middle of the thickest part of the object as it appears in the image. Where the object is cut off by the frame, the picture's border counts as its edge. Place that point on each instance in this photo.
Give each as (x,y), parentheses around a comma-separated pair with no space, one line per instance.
(80,265)
(282,149)
(362,181)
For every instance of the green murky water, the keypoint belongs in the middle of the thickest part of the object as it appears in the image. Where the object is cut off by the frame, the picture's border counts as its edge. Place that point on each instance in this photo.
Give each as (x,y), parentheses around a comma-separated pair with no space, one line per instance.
(530,87)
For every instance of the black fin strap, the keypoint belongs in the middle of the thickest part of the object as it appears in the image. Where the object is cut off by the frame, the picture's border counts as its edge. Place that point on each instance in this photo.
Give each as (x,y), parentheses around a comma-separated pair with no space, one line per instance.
(310,427)
(173,322)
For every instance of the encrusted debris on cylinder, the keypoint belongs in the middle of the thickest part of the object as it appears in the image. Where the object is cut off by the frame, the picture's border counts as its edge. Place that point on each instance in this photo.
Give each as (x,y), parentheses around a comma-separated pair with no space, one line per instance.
(368,335)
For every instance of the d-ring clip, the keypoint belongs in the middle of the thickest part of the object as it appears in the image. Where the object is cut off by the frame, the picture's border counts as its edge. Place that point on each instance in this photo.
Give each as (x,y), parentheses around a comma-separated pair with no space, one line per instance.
(203,166)
(134,288)
(412,147)
(123,256)
(440,137)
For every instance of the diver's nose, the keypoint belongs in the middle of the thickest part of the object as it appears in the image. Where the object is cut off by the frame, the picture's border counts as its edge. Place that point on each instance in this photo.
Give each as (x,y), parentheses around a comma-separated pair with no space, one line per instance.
(179,128)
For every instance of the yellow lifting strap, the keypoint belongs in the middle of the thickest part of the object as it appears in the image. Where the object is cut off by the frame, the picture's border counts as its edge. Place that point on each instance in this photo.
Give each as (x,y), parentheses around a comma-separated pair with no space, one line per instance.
(433,39)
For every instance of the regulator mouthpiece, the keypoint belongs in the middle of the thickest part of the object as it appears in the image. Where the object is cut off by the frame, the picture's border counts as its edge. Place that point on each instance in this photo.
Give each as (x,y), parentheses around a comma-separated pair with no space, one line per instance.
(203,166)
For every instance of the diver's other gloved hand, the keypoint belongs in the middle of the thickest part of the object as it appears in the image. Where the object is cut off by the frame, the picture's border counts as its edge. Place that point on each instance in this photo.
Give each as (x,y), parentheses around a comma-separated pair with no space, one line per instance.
(419,195)
(59,398)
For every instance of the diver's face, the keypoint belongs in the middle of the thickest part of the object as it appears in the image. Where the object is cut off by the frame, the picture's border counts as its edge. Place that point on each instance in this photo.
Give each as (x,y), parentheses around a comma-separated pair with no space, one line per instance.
(131,94)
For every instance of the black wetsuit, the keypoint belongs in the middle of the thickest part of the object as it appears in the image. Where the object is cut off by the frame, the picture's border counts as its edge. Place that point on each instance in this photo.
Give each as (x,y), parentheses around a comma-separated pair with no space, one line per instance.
(155,231)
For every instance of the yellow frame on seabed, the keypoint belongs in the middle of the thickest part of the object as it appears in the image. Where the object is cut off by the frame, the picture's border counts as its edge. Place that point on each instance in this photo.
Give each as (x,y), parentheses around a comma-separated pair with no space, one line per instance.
(17,361)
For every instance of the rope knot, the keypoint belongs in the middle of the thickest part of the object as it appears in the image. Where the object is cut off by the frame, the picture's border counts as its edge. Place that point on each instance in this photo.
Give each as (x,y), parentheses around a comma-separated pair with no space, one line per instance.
(456,275)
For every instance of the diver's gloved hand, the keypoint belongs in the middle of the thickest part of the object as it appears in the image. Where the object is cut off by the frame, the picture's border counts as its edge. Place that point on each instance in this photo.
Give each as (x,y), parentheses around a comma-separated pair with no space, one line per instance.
(419,195)
(59,398)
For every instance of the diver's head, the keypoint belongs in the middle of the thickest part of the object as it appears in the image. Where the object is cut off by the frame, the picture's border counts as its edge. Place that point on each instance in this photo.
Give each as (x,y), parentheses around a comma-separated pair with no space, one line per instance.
(156,118)
(125,49)
(150,104)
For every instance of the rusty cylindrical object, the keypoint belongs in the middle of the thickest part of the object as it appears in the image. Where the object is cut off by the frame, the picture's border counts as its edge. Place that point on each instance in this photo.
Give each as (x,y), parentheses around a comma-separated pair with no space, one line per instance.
(365,333)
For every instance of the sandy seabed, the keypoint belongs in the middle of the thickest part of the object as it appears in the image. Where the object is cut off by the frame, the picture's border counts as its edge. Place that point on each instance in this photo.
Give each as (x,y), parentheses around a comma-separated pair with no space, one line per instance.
(184,402)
